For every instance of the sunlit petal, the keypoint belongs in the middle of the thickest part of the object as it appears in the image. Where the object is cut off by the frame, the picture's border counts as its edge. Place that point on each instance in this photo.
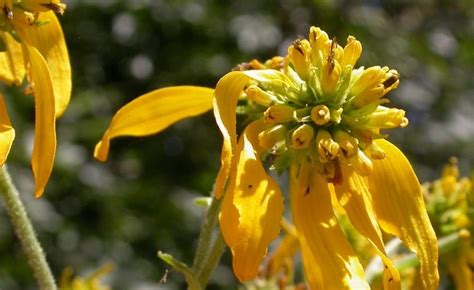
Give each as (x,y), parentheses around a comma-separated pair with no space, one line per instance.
(259,204)
(328,257)
(154,112)
(44,148)
(49,40)
(354,197)
(398,204)
(12,66)
(7,133)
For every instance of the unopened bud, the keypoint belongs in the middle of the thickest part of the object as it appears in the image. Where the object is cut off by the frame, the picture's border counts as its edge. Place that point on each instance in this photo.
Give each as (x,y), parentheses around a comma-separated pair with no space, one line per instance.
(349,144)
(302,136)
(327,148)
(387,118)
(320,115)
(299,55)
(256,94)
(375,152)
(268,138)
(279,114)
(352,52)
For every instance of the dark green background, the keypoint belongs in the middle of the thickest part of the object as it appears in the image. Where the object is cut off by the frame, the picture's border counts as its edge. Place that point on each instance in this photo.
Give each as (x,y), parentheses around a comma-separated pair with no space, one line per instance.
(140,201)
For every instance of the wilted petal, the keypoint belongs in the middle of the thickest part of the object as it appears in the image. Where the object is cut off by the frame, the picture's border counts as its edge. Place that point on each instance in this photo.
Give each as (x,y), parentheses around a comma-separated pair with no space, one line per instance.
(329,260)
(354,197)
(259,204)
(7,133)
(398,204)
(12,66)
(154,112)
(44,148)
(49,40)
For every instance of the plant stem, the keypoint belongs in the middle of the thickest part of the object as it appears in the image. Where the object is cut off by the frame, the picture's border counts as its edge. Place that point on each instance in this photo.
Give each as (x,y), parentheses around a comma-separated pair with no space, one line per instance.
(25,232)
(210,245)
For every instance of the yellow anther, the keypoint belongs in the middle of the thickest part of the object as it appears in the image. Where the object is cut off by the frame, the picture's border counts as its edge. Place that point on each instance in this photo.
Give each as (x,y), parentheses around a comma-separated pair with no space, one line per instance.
(44,5)
(349,145)
(321,115)
(279,114)
(269,138)
(362,164)
(256,94)
(302,136)
(375,152)
(327,148)
(299,54)
(387,118)
(352,52)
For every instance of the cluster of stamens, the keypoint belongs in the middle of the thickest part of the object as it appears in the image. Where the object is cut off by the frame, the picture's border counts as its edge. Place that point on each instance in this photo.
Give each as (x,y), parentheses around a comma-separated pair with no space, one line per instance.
(324,110)
(26,11)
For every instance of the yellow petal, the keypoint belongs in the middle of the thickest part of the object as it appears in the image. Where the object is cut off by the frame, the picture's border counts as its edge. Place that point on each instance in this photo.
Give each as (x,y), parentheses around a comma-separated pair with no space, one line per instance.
(228,90)
(328,258)
(12,66)
(398,204)
(461,273)
(282,258)
(259,204)
(154,112)
(7,133)
(49,40)
(354,197)
(44,148)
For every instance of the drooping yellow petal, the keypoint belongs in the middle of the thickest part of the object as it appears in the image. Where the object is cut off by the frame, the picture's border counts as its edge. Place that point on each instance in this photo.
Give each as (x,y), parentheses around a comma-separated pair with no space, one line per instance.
(154,112)
(398,204)
(259,204)
(282,258)
(12,66)
(328,258)
(7,133)
(48,38)
(354,197)
(44,148)
(228,90)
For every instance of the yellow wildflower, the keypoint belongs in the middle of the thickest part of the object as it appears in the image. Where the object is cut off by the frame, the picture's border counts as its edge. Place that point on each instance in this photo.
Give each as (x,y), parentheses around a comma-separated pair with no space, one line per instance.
(91,282)
(35,47)
(450,207)
(326,131)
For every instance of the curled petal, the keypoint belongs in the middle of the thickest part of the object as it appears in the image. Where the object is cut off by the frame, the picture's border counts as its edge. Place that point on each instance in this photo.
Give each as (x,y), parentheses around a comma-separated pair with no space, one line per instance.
(398,204)
(254,221)
(44,148)
(154,112)
(49,40)
(328,258)
(228,90)
(7,133)
(12,65)
(354,197)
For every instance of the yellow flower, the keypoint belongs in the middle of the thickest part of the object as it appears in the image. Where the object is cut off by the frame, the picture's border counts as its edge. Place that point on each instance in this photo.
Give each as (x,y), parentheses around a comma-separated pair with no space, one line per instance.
(321,119)
(450,207)
(35,46)
(91,282)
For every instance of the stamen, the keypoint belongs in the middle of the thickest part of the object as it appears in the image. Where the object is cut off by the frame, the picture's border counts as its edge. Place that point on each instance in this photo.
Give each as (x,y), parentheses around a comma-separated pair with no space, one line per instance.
(302,136)
(327,148)
(56,7)
(8,12)
(393,78)
(349,145)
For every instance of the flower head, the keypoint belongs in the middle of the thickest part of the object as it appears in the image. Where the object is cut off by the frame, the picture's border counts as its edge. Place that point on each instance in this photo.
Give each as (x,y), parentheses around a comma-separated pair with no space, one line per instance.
(35,48)
(315,115)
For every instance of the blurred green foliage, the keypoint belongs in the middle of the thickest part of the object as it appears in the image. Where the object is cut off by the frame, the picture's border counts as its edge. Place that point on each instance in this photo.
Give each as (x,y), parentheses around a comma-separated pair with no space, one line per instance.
(140,201)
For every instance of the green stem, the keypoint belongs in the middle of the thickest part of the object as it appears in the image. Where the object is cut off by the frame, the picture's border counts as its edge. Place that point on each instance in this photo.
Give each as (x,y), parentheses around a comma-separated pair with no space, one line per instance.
(210,247)
(25,232)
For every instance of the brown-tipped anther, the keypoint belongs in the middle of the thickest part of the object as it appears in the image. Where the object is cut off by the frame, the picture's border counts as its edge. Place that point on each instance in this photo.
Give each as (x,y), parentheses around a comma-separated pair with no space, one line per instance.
(302,136)
(297,45)
(331,55)
(8,12)
(56,7)
(393,78)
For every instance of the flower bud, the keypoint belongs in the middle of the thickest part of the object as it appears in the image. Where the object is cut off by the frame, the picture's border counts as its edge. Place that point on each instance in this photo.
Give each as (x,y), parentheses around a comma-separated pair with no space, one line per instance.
(348,144)
(279,114)
(302,136)
(387,118)
(375,152)
(268,138)
(352,52)
(299,55)
(321,115)
(327,148)
(256,94)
